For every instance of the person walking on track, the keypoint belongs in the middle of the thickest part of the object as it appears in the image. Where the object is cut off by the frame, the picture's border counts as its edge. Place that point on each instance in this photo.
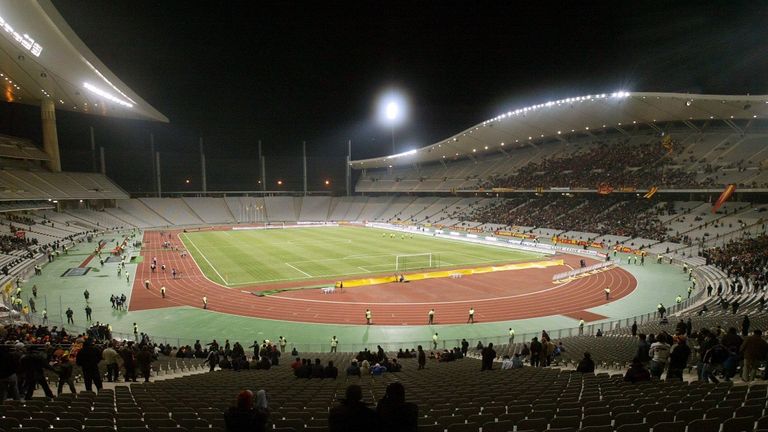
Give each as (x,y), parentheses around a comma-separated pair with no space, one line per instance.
(368,317)
(471,318)
(431,316)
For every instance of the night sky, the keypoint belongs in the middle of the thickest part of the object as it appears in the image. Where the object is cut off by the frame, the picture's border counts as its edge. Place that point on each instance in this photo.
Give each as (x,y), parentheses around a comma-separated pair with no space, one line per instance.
(236,72)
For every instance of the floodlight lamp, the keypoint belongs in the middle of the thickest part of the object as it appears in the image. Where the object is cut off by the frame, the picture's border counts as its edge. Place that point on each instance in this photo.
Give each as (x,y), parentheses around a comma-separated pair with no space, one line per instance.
(392,110)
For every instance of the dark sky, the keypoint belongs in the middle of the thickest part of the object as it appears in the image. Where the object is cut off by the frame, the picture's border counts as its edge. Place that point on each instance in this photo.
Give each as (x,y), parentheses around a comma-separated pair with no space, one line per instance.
(235,72)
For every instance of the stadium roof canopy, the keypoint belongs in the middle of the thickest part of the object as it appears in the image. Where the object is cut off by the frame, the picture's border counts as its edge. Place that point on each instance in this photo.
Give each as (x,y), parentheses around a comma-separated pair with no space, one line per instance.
(42,57)
(619,112)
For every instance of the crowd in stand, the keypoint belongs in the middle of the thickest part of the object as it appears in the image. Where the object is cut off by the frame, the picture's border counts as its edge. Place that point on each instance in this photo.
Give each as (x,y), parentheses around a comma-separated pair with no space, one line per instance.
(747,258)
(600,215)
(618,164)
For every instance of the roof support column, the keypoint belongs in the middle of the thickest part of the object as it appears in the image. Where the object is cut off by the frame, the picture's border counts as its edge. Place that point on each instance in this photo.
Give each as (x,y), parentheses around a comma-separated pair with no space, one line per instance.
(50,136)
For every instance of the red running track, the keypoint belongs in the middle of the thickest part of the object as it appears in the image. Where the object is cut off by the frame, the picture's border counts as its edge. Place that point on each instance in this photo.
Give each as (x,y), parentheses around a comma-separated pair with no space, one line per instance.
(500,296)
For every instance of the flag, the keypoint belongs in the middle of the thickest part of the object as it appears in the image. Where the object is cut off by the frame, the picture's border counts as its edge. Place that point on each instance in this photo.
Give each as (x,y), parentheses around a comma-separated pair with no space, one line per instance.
(651,192)
(21,234)
(729,190)
(604,189)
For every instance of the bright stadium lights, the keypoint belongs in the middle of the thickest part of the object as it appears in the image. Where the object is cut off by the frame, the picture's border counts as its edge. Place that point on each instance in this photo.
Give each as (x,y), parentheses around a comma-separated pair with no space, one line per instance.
(23,39)
(327,182)
(279,182)
(392,111)
(106,95)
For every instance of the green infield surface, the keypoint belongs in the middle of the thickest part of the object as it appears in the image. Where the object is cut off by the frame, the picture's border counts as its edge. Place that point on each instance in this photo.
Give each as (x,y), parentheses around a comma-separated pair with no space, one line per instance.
(280,255)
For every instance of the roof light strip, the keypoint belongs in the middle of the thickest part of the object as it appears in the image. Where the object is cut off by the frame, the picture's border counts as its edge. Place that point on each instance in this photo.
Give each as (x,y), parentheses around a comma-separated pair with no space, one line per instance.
(106,95)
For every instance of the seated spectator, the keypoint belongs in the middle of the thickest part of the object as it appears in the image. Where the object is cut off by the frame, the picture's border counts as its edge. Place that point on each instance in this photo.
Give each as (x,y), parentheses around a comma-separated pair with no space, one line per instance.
(352,415)
(296,364)
(245,416)
(353,369)
(394,366)
(586,365)
(378,369)
(517,361)
(395,414)
(637,372)
(330,371)
(317,370)
(506,362)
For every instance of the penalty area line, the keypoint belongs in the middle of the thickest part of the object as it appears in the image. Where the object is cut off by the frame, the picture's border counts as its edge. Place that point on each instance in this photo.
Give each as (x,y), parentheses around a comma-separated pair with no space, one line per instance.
(299,270)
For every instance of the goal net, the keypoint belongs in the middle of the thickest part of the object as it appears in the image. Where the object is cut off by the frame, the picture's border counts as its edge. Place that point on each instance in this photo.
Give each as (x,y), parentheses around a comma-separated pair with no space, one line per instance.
(416,261)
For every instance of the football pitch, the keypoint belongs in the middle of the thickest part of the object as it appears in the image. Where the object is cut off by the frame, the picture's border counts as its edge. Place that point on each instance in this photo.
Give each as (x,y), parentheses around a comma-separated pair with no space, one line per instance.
(246,257)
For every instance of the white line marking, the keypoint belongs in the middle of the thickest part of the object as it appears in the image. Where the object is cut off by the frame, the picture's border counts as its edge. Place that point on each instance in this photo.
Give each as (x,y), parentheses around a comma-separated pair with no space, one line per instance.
(363,269)
(205,258)
(299,270)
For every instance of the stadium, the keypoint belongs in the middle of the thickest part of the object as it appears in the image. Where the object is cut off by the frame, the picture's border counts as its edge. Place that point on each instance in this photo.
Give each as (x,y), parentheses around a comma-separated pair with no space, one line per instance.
(574,225)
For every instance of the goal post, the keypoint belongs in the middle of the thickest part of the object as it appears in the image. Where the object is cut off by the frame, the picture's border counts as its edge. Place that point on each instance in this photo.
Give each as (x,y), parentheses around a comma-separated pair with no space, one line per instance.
(416,261)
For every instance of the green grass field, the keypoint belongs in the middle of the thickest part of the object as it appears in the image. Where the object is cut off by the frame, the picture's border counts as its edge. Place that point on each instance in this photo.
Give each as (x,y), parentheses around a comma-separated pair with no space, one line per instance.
(281,255)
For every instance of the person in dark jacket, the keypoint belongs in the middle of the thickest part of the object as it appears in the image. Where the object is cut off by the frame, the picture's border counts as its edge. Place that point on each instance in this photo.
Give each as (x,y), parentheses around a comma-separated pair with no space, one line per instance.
(88,359)
(144,362)
(317,370)
(395,414)
(33,363)
(129,362)
(9,364)
(745,324)
(535,351)
(352,415)
(678,359)
(330,371)
(247,416)
(488,356)
(422,357)
(586,365)
(353,369)
(637,372)
(66,376)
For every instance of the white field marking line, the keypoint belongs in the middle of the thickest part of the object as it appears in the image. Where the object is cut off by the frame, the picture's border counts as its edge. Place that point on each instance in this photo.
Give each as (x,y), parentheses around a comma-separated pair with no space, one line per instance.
(363,269)
(299,270)
(206,259)
(437,303)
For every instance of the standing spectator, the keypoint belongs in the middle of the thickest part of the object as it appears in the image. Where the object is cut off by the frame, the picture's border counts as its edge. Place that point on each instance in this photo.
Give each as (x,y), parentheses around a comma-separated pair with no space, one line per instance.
(65,375)
(144,362)
(9,364)
(754,350)
(535,351)
(334,344)
(212,360)
(352,415)
(395,414)
(330,371)
(511,336)
(111,358)
(69,314)
(488,356)
(129,362)
(745,323)
(634,328)
(434,341)
(422,357)
(464,347)
(659,353)
(678,359)
(581,326)
(88,359)
(33,363)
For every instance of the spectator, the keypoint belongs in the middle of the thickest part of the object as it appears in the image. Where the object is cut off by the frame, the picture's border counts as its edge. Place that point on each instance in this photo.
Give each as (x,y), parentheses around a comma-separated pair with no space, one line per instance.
(353,369)
(586,365)
(506,362)
(488,355)
(9,364)
(245,416)
(754,349)
(678,358)
(637,372)
(88,359)
(395,414)
(352,415)
(331,371)
(659,353)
